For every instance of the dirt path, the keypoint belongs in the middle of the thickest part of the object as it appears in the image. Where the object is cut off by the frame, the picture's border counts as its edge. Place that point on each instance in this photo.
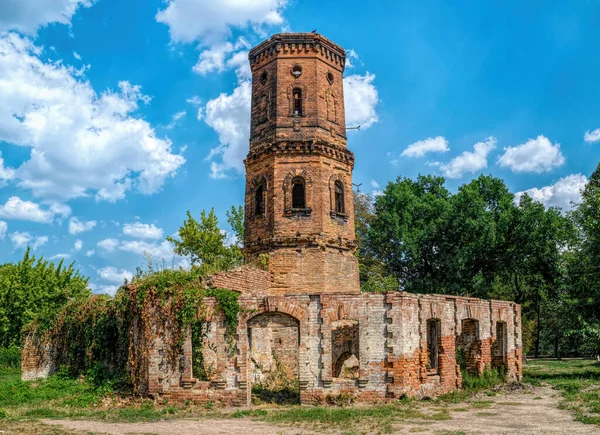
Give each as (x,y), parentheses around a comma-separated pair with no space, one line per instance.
(519,412)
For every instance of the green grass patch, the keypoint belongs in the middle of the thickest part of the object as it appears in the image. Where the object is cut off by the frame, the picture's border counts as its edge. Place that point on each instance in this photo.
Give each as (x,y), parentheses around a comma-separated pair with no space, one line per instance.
(578,380)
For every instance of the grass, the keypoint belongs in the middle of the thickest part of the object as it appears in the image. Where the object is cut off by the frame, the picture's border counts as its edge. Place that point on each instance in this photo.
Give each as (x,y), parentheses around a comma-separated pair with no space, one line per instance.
(59,397)
(578,380)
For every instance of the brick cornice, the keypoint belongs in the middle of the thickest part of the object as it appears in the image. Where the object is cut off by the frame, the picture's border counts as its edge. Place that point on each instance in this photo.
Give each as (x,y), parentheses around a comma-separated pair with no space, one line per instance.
(278,242)
(339,153)
(285,44)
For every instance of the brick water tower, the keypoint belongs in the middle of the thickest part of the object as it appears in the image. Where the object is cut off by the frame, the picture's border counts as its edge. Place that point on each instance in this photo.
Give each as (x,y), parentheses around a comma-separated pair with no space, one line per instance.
(299,199)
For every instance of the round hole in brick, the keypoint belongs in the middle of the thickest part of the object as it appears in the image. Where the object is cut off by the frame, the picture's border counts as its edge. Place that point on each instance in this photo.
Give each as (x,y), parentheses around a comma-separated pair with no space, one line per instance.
(330,77)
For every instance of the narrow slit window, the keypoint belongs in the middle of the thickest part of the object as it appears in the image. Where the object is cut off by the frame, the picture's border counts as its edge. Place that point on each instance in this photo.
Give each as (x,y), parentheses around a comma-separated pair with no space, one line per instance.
(297,94)
(433,343)
(298,193)
(259,201)
(339,197)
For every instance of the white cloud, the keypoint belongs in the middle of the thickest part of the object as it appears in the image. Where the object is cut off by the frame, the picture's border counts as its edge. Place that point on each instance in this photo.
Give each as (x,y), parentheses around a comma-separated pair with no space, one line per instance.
(143,231)
(224,56)
(352,59)
(158,251)
(593,136)
(90,252)
(16,208)
(114,275)
(536,155)
(5,173)
(76,226)
(211,21)
(437,144)
(176,117)
(39,241)
(24,239)
(82,143)
(560,194)
(76,55)
(3,230)
(360,99)
(469,162)
(78,245)
(104,289)
(28,15)
(109,245)
(60,257)
(229,116)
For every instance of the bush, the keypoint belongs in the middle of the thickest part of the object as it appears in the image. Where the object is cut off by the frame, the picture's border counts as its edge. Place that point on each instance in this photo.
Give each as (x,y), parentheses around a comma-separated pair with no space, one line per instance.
(10,357)
(3,414)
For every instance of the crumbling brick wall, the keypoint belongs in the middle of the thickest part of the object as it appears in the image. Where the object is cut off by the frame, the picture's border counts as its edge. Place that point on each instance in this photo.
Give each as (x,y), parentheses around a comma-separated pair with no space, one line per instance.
(391,330)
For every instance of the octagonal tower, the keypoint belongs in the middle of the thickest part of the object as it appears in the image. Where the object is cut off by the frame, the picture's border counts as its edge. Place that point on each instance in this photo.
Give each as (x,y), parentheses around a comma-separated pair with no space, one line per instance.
(299,199)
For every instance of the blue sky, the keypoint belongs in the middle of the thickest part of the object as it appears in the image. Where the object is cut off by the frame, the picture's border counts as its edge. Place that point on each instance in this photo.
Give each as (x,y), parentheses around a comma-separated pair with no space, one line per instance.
(118,116)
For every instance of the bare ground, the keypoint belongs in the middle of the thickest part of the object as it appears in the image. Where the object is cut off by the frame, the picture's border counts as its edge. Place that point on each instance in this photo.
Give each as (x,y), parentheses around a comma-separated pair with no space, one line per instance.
(514,412)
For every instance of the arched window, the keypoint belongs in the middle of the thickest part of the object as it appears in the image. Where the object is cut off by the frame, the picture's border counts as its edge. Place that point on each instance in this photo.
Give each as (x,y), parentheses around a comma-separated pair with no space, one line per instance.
(297,96)
(259,200)
(339,197)
(298,193)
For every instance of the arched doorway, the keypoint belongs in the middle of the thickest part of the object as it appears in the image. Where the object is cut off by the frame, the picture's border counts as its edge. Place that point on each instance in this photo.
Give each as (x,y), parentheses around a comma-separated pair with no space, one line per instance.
(274,342)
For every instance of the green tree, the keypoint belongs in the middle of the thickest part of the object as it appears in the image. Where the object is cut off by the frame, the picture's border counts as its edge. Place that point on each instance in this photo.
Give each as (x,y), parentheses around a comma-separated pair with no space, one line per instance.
(35,288)
(204,242)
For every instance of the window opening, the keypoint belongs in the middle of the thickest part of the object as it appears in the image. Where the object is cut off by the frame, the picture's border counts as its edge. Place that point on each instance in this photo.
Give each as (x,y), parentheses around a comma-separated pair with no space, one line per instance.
(298,193)
(259,202)
(297,102)
(433,344)
(339,197)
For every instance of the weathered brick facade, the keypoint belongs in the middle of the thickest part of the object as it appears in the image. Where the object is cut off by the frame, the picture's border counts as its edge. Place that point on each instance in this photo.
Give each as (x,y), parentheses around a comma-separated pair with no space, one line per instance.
(305,315)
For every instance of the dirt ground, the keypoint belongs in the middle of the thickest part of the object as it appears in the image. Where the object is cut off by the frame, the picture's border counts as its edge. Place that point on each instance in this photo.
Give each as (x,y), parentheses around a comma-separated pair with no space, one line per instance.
(516,412)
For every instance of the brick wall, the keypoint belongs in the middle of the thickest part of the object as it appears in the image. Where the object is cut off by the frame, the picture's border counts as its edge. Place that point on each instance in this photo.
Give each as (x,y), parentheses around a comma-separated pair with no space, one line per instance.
(385,333)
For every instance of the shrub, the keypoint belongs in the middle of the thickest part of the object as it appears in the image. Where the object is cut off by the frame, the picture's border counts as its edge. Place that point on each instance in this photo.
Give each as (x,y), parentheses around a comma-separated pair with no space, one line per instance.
(10,357)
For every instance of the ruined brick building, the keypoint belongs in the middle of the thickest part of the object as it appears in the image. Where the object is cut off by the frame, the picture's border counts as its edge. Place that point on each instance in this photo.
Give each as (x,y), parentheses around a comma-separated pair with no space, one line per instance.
(305,314)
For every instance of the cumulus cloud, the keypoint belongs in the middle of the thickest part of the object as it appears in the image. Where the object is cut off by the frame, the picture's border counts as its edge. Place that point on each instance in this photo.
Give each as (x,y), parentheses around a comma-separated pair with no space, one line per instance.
(3,230)
(82,143)
(229,116)
(469,162)
(437,144)
(563,193)
(60,257)
(114,275)
(225,56)
(104,289)
(90,252)
(76,226)
(28,15)
(16,208)
(211,21)
(24,239)
(143,231)
(593,136)
(158,251)
(536,155)
(78,245)
(360,99)
(109,245)
(5,173)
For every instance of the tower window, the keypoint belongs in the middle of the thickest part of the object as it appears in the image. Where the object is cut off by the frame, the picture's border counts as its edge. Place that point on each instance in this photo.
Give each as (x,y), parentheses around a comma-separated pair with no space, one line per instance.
(339,197)
(298,193)
(297,95)
(259,200)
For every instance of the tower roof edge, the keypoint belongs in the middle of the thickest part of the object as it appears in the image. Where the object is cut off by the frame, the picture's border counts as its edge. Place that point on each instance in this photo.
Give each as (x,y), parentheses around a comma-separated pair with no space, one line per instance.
(299,41)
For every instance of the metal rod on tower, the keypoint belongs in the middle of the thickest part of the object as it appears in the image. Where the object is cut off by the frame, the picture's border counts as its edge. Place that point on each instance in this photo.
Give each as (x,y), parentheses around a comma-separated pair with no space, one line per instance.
(357,186)
(353,128)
